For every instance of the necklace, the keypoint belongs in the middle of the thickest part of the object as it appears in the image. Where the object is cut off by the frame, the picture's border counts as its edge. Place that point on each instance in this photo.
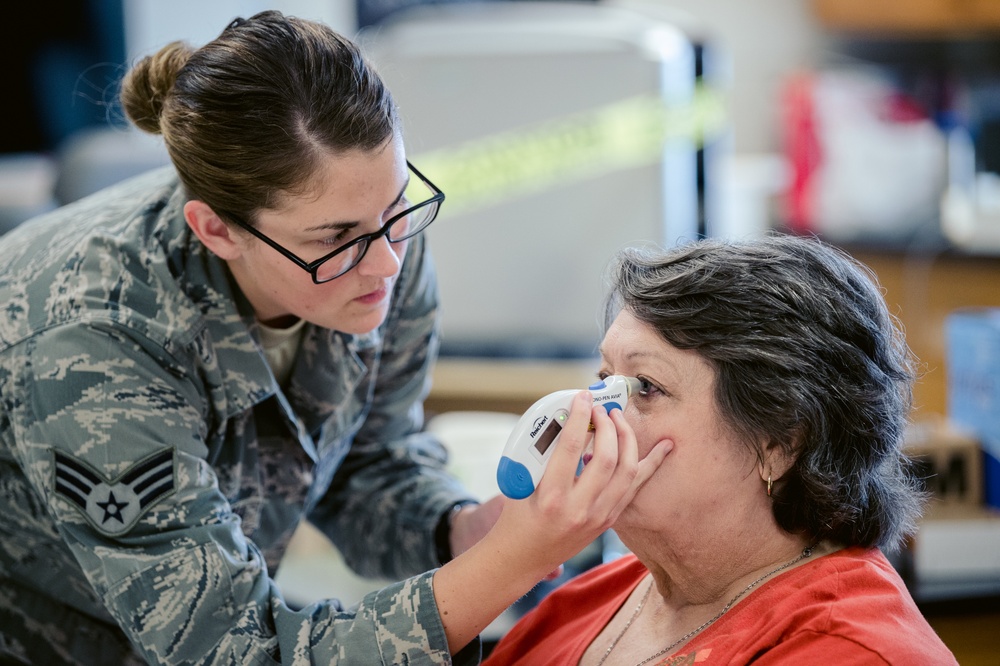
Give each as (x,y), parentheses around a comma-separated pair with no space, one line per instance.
(806,552)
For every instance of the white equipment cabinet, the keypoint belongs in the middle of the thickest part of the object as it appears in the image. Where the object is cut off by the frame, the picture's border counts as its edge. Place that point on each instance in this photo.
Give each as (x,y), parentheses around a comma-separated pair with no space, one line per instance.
(524,276)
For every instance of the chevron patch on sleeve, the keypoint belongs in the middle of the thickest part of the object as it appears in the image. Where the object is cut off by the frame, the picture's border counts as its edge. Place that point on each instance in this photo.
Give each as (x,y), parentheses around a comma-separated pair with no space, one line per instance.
(114,506)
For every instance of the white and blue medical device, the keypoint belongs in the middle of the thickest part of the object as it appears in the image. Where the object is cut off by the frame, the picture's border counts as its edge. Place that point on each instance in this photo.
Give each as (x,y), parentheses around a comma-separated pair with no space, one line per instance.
(530,444)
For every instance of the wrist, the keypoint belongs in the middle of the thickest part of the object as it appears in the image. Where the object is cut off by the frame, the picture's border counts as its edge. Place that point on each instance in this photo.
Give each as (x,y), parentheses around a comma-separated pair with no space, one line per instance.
(442,533)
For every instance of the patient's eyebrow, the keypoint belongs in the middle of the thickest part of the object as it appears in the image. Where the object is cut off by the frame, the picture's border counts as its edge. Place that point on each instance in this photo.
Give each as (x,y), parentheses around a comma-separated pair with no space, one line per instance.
(634,354)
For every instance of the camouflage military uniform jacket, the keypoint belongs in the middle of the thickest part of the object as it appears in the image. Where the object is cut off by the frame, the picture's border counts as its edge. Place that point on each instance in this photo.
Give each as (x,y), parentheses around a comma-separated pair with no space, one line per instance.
(152,472)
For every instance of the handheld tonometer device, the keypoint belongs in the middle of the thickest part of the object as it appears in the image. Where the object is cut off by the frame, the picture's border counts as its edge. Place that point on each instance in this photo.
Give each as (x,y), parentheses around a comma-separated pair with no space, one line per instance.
(531,443)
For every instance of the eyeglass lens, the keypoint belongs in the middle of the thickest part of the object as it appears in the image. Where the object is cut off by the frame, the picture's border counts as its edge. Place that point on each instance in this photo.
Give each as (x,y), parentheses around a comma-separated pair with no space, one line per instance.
(417,193)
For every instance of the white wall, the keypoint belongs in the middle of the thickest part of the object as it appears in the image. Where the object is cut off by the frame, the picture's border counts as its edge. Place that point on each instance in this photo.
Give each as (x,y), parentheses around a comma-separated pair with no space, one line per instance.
(763,40)
(150,24)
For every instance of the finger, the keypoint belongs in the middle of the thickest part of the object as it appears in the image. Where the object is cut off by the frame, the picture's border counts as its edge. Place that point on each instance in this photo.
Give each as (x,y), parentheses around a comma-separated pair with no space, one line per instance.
(646,468)
(555,573)
(604,460)
(652,461)
(618,421)
(572,440)
(628,449)
(631,473)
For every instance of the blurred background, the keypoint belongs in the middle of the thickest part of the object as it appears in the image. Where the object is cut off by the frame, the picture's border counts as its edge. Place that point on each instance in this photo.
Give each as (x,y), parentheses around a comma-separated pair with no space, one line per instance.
(562,131)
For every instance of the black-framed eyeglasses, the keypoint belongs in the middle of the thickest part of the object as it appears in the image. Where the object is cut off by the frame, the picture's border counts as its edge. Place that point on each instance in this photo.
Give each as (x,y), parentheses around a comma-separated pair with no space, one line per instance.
(399,227)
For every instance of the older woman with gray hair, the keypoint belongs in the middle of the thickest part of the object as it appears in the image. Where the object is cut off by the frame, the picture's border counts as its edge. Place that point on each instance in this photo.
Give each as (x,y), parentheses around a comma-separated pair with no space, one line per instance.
(782,386)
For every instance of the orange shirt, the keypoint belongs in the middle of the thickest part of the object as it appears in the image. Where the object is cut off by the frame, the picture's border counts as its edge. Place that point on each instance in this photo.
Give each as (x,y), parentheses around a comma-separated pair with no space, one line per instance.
(849,607)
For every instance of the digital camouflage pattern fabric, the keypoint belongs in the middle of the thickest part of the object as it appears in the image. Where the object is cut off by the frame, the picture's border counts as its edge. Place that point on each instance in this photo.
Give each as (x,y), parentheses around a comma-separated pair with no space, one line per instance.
(152,471)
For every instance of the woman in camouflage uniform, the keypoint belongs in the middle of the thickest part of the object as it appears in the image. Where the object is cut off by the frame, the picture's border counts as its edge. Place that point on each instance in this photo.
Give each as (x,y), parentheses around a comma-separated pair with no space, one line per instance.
(196,359)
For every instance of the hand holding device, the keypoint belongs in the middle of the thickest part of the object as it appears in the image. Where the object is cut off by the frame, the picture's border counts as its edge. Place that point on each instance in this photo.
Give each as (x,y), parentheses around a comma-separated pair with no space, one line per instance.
(530,444)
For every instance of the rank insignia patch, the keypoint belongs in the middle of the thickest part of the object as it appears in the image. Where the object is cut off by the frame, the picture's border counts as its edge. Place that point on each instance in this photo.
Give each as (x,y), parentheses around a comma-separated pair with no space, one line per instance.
(114,506)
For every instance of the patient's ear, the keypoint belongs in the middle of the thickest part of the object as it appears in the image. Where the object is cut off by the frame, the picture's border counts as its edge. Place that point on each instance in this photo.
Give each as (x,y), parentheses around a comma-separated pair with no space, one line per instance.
(215,234)
(777,459)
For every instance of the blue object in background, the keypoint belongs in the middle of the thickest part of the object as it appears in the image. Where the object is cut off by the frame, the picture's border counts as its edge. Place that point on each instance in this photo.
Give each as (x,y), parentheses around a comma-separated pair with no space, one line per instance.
(973,356)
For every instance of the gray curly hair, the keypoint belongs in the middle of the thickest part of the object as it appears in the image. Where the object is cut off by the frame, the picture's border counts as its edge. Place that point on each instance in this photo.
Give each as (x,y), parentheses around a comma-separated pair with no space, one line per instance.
(807,357)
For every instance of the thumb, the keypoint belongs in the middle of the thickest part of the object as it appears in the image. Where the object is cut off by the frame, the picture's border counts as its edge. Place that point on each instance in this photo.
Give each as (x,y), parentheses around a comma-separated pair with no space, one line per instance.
(647,467)
(652,461)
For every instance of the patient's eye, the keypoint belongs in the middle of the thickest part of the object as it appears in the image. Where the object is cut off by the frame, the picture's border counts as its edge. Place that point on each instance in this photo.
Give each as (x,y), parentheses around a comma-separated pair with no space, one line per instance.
(649,389)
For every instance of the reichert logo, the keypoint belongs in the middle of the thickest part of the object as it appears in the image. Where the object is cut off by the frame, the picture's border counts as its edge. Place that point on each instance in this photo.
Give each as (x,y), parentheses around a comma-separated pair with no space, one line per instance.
(538,425)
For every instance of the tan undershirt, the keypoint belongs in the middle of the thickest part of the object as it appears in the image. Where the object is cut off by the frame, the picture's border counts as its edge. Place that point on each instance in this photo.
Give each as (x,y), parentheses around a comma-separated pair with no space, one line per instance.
(281,345)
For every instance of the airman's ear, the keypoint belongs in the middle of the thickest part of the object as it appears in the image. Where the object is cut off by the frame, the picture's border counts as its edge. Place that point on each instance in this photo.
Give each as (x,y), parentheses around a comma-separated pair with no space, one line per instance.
(215,234)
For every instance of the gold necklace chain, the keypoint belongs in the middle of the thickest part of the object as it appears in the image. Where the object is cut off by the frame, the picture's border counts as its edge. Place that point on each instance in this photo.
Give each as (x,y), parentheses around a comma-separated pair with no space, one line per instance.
(806,552)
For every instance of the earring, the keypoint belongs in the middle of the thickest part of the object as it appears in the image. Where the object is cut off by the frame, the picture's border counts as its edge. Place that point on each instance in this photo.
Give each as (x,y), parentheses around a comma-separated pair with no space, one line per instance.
(768,485)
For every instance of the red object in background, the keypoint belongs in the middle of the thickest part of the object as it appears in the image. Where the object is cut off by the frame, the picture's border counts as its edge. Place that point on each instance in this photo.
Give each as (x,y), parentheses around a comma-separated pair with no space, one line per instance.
(900,108)
(802,150)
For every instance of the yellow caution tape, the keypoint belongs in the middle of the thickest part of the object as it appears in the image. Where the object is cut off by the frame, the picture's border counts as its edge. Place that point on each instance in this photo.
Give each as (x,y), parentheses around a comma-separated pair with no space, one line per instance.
(624,134)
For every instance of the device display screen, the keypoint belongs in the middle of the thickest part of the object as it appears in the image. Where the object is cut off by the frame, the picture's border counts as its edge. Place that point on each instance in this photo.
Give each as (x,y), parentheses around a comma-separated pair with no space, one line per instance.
(546,438)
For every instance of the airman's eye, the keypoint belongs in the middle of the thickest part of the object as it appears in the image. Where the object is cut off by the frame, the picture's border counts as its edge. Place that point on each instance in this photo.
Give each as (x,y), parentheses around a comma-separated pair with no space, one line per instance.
(337,239)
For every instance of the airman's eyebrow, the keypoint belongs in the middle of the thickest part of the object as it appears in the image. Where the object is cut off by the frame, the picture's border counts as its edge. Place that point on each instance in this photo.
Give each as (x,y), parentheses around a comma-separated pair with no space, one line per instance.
(342,225)
(333,226)
(399,197)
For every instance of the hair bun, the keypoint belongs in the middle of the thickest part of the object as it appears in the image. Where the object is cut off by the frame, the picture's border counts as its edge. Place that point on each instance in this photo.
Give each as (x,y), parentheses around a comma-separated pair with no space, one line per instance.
(146,86)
